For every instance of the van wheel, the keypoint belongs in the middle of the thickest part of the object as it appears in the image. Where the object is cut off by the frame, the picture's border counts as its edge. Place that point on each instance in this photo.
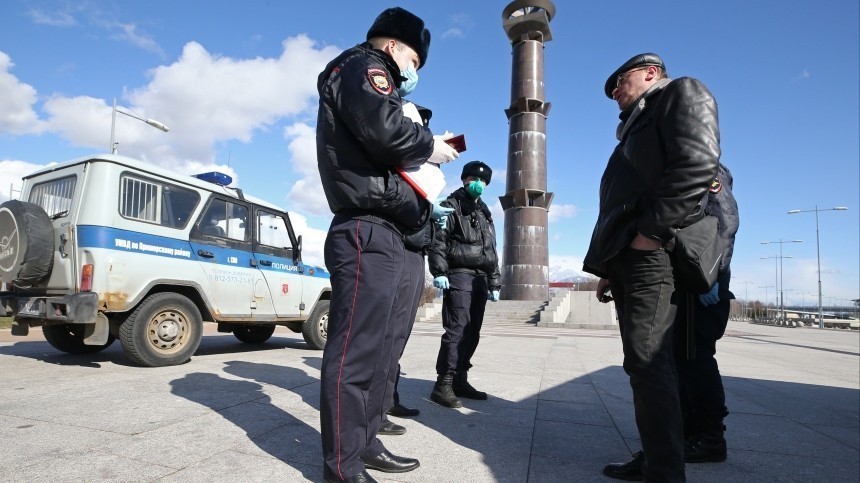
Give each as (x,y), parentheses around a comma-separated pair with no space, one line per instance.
(69,338)
(253,334)
(315,329)
(164,330)
(26,243)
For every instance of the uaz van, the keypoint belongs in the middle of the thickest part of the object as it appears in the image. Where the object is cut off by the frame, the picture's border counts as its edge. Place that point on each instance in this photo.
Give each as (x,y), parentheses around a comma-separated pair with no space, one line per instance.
(107,247)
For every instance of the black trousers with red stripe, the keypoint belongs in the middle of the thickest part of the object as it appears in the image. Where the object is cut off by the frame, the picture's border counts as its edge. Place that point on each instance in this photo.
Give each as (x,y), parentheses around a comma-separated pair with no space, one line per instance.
(412,284)
(366,262)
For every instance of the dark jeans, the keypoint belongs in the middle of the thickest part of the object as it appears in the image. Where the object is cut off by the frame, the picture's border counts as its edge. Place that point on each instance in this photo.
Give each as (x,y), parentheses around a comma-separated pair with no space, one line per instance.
(703,399)
(462,316)
(366,262)
(643,286)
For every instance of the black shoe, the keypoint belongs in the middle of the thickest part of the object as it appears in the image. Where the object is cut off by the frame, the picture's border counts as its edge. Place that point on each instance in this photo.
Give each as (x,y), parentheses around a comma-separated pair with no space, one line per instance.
(702,450)
(387,428)
(388,463)
(401,411)
(630,471)
(443,393)
(462,388)
(362,477)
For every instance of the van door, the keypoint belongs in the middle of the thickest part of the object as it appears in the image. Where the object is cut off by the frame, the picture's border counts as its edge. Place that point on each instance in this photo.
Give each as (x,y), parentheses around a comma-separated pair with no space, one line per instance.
(221,240)
(273,250)
(58,193)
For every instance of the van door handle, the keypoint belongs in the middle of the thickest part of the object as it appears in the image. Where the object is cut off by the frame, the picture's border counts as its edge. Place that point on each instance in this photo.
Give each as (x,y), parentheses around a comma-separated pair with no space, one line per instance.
(205,254)
(267,263)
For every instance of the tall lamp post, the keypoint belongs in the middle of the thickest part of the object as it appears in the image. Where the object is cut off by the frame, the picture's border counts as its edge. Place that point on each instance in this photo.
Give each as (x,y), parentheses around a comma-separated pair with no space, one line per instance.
(778,280)
(765,287)
(746,296)
(818,253)
(151,122)
(781,242)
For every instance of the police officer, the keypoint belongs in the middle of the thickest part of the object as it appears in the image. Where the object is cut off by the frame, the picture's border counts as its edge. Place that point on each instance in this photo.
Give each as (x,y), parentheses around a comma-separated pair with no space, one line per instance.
(465,265)
(362,137)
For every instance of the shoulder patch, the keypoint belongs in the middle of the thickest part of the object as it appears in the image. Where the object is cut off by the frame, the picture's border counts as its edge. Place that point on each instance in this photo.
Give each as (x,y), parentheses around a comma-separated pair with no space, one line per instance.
(379,80)
(716,186)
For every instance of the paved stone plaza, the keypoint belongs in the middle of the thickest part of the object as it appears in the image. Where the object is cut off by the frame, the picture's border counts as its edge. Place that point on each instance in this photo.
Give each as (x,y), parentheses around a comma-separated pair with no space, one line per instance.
(560,408)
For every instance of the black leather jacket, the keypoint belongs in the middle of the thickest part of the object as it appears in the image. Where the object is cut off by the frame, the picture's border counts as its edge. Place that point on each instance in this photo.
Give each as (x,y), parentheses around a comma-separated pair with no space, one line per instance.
(468,241)
(362,136)
(657,178)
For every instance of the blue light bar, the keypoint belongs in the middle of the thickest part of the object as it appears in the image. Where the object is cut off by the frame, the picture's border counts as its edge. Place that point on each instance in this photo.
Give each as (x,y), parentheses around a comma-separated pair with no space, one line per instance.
(215,177)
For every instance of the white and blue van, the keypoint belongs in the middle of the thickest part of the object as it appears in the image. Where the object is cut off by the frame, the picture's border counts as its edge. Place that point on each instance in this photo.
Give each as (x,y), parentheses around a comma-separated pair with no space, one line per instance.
(107,247)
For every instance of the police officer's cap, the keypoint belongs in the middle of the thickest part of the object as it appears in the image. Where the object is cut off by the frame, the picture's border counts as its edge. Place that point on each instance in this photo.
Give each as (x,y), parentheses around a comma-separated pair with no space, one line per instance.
(477,169)
(640,60)
(404,26)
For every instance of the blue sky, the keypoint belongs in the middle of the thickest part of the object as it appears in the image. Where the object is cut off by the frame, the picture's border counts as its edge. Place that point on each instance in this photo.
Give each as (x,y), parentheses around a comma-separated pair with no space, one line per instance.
(235,82)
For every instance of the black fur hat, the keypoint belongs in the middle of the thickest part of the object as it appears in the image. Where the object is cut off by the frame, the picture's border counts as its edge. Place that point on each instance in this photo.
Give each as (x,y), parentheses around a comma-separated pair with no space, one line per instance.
(404,26)
(477,169)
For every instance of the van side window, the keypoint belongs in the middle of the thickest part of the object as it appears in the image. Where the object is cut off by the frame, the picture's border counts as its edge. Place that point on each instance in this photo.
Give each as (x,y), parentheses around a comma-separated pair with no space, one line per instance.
(272,230)
(156,202)
(55,196)
(225,220)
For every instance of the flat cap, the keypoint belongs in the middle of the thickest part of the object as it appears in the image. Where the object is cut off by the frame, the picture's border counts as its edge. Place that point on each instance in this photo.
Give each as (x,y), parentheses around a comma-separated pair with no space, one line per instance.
(635,61)
(404,26)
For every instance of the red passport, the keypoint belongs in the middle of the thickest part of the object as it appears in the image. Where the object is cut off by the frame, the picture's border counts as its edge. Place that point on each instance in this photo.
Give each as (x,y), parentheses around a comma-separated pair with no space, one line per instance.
(457,142)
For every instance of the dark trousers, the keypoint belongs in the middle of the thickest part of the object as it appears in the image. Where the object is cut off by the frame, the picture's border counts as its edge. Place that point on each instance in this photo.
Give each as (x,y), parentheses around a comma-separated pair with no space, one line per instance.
(366,263)
(643,285)
(462,316)
(412,285)
(703,399)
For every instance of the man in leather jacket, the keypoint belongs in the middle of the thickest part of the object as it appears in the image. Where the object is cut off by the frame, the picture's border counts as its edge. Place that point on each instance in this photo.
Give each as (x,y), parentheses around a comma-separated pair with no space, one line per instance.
(655,182)
(465,264)
(362,138)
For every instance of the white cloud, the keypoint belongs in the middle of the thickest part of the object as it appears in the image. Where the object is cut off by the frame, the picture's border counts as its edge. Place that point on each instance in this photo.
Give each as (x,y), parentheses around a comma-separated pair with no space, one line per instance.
(307,193)
(53,18)
(11,172)
(16,104)
(565,268)
(561,212)
(453,32)
(312,240)
(128,33)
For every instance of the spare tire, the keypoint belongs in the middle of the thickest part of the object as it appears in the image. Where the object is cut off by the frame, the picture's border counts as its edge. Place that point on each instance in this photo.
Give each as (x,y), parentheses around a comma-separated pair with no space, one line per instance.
(26,243)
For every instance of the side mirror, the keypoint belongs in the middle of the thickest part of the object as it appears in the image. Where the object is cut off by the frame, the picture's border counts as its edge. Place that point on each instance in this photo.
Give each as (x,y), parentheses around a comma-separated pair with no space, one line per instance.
(297,253)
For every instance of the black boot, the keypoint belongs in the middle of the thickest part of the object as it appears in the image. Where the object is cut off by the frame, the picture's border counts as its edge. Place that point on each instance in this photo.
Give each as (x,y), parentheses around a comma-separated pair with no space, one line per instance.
(462,388)
(631,471)
(443,393)
(709,446)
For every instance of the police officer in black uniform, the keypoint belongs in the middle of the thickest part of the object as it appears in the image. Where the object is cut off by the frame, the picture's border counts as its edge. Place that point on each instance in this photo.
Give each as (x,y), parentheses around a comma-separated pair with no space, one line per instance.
(465,264)
(362,137)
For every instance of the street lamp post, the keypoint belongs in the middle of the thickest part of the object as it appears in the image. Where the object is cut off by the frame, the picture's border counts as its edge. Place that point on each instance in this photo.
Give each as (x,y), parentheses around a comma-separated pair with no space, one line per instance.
(746,297)
(765,287)
(781,242)
(151,122)
(818,253)
(778,288)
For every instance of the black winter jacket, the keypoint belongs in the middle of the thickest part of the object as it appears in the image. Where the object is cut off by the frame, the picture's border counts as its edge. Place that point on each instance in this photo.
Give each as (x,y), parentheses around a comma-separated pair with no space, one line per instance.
(468,241)
(362,136)
(657,177)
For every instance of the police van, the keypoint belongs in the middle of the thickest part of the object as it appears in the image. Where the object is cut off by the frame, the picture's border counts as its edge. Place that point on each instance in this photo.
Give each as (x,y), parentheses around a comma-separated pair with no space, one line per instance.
(108,247)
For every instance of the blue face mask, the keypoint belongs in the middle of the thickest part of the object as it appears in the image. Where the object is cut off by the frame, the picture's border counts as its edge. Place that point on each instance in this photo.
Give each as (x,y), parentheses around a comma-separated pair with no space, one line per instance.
(475,188)
(407,86)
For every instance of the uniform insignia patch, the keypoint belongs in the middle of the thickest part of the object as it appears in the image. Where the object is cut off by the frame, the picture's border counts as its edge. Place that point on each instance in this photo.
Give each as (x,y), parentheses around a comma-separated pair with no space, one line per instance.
(379,81)
(716,186)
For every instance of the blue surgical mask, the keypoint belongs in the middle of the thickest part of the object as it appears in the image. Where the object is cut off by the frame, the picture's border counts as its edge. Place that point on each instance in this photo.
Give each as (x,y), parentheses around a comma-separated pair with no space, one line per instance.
(407,86)
(475,188)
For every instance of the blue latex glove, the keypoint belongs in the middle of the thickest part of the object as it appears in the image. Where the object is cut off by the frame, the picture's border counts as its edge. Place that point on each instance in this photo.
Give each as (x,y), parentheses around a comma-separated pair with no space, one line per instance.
(712,296)
(441,282)
(440,214)
(493,296)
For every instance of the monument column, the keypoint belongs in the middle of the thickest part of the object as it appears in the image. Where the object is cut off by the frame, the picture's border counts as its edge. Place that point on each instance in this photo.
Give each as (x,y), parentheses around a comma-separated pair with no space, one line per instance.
(526,202)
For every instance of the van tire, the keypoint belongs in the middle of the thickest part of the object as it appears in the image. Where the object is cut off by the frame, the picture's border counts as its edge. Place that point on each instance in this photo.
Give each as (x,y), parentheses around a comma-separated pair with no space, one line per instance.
(69,338)
(315,328)
(26,243)
(253,334)
(164,330)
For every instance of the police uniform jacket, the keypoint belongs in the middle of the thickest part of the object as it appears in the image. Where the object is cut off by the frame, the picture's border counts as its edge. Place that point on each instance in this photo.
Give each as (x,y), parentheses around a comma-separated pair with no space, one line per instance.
(468,241)
(657,177)
(362,136)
